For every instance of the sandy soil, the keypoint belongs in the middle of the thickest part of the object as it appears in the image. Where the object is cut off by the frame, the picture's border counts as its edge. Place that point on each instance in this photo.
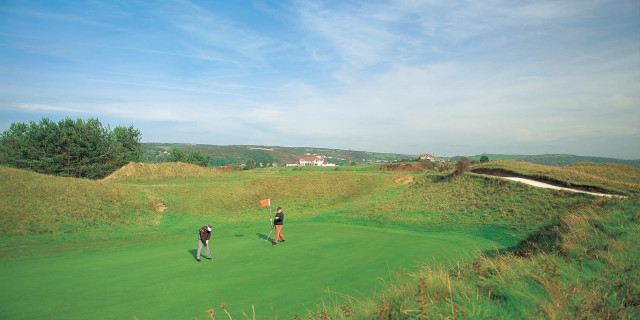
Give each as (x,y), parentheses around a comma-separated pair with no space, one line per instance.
(546,185)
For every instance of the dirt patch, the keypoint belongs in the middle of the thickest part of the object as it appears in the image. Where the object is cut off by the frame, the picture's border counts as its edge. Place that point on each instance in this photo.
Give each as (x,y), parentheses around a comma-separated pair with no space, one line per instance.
(400,167)
(160,207)
(403,179)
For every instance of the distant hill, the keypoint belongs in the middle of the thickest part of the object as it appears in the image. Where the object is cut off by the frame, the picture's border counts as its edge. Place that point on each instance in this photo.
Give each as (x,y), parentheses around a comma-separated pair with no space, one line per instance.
(239,154)
(558,160)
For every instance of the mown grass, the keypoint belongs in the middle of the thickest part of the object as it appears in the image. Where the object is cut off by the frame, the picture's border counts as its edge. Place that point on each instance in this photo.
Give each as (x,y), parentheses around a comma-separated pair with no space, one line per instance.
(158,278)
(615,178)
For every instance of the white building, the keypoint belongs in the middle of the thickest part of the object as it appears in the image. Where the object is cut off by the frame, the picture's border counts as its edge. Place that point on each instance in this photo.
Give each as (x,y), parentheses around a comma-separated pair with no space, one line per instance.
(427,156)
(311,161)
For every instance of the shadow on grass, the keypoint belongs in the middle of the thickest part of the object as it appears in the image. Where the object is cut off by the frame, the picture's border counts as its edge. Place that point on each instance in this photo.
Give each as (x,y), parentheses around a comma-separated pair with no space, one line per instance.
(262,236)
(548,239)
(193,252)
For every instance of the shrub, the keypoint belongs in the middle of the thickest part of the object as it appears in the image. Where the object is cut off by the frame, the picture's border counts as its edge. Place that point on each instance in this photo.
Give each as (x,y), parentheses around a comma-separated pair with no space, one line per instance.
(462,166)
(71,148)
(427,165)
(198,157)
(176,155)
(250,164)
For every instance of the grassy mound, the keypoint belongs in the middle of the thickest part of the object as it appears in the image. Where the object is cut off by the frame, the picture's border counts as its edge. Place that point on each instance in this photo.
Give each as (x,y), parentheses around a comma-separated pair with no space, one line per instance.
(135,171)
(37,204)
(604,177)
(609,172)
(466,202)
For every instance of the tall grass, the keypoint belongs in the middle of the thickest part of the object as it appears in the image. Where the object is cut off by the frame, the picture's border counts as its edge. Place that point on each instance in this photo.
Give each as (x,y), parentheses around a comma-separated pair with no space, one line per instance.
(161,171)
(607,171)
(464,202)
(37,204)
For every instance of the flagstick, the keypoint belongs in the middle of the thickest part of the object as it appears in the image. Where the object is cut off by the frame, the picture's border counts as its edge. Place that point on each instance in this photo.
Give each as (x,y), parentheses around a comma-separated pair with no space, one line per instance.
(270,222)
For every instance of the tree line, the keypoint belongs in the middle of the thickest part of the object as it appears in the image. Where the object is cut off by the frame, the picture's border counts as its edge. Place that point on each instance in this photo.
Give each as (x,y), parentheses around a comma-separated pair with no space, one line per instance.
(196,157)
(70,148)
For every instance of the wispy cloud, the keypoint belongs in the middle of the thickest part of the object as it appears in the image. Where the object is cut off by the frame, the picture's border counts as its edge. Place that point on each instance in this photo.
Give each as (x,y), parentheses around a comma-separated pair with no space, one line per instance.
(34,107)
(53,49)
(69,18)
(219,38)
(397,32)
(201,88)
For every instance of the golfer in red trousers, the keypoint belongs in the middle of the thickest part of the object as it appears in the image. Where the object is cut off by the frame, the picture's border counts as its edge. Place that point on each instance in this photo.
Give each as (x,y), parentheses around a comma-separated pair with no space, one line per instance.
(278,221)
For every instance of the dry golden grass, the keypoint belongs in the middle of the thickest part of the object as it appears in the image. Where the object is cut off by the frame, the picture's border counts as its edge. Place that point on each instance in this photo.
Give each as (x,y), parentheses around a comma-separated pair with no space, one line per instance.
(32,203)
(161,171)
(616,178)
(607,171)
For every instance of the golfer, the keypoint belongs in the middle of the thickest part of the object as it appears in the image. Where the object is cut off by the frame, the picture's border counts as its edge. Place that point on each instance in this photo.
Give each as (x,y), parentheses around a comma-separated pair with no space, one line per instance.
(204,234)
(278,221)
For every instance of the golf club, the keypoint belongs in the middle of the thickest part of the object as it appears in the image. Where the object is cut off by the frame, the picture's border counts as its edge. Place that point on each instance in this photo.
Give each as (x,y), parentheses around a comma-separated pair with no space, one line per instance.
(209,251)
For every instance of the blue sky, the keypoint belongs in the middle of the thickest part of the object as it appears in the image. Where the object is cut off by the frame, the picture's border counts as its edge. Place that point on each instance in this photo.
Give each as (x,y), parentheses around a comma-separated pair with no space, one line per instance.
(407,76)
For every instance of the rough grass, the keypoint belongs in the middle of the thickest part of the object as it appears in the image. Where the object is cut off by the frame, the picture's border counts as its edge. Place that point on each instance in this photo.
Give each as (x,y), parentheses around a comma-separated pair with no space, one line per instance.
(36,204)
(615,178)
(610,172)
(174,196)
(161,171)
(465,202)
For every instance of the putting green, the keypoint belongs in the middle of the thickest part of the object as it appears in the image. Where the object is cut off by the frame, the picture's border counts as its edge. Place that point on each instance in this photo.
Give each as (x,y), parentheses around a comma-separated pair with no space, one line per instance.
(160,279)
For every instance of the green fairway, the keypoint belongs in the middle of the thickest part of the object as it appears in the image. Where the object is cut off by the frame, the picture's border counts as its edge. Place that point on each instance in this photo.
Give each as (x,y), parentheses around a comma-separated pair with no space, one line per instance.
(157,277)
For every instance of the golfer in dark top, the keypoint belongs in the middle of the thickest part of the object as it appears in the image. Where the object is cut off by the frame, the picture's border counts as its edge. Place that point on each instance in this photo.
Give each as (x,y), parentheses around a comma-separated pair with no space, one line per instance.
(204,234)
(278,221)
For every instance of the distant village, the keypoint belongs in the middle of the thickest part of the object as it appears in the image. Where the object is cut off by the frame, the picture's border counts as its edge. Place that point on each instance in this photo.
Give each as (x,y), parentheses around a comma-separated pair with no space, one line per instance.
(319,160)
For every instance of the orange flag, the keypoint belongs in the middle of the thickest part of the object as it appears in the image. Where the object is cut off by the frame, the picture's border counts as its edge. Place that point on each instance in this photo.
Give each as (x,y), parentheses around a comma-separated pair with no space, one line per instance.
(265,202)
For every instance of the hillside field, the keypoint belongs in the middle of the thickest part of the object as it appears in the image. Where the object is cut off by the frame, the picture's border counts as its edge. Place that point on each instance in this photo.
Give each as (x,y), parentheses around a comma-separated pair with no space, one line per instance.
(267,155)
(558,160)
(361,243)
